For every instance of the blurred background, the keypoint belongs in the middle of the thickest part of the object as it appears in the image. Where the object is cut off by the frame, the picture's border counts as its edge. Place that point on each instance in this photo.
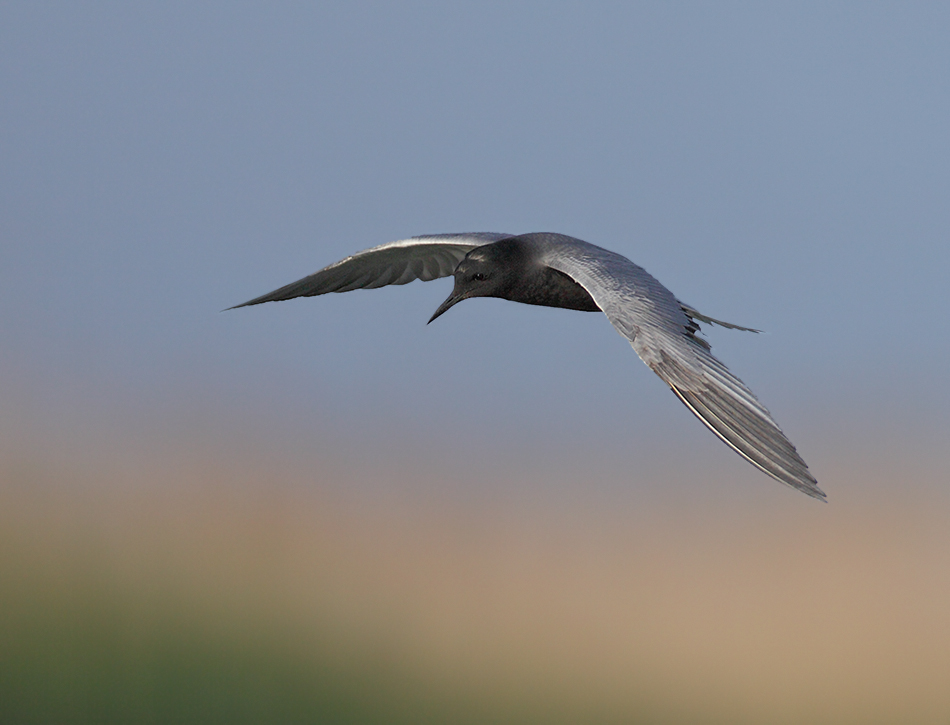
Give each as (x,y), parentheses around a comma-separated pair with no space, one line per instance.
(324,510)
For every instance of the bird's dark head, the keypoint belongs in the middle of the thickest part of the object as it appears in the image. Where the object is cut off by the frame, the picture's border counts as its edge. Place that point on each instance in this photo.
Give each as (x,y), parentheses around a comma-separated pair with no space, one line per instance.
(487,271)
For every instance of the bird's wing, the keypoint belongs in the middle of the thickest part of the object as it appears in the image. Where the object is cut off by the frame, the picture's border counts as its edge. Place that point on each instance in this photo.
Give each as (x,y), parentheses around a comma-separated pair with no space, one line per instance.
(662,334)
(399,262)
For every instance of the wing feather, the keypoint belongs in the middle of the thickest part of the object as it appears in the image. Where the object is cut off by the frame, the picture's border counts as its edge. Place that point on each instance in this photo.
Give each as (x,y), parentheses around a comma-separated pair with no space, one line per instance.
(400,262)
(662,332)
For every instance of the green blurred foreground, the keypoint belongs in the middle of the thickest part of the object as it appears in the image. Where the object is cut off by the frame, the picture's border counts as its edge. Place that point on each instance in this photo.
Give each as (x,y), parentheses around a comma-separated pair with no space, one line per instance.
(79,645)
(76,656)
(205,594)
(163,620)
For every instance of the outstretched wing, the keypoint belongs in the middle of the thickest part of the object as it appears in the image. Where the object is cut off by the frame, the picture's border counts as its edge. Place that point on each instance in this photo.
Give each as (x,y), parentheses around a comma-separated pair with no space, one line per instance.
(662,334)
(400,262)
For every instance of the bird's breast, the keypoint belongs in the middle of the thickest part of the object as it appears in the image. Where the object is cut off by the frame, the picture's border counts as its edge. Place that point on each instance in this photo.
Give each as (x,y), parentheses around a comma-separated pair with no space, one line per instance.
(551,288)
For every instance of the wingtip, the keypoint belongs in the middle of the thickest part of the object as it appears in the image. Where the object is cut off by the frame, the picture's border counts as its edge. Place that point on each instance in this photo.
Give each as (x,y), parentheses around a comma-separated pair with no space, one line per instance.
(228,309)
(269,297)
(797,476)
(807,484)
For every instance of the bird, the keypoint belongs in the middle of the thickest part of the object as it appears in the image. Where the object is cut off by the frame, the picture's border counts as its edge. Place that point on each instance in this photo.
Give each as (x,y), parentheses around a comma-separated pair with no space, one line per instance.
(555,270)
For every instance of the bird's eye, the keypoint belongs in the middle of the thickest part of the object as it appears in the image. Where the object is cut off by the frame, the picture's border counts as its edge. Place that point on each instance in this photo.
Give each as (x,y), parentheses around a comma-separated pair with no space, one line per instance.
(478,277)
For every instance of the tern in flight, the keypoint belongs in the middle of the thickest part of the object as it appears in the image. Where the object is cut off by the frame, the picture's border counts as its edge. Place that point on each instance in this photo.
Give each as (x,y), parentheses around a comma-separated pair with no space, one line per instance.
(555,270)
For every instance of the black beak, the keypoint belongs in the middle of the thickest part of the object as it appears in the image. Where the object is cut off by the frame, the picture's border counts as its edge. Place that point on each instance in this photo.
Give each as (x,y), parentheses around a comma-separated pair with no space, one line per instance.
(453,299)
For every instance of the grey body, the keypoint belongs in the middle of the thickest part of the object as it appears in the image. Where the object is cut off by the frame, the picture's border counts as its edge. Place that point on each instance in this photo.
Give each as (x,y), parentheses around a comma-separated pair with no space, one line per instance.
(555,270)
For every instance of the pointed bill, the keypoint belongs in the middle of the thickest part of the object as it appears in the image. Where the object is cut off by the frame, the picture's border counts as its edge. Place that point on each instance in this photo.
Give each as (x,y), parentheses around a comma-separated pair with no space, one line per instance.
(450,301)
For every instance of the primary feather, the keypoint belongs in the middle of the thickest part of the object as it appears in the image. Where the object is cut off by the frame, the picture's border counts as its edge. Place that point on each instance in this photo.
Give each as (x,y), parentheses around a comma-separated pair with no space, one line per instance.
(400,262)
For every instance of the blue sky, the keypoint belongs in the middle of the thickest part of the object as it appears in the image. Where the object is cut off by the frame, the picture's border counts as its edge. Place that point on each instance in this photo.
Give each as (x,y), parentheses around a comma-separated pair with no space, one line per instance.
(783,166)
